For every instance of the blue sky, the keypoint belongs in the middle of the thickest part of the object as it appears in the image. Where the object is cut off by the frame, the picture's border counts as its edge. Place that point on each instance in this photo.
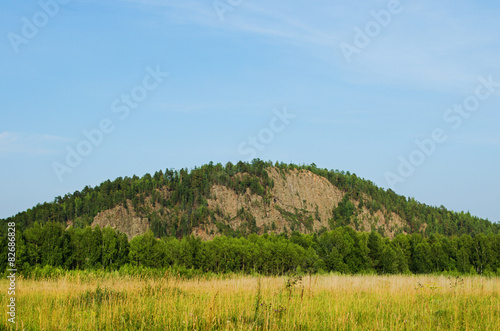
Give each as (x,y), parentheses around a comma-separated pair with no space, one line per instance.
(231,72)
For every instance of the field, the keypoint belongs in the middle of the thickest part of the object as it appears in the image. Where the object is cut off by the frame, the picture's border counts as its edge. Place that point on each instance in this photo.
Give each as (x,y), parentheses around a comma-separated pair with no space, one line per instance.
(323,302)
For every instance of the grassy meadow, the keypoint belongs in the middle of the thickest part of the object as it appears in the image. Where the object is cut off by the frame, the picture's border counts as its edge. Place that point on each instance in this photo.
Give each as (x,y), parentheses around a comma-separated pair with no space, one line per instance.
(318,302)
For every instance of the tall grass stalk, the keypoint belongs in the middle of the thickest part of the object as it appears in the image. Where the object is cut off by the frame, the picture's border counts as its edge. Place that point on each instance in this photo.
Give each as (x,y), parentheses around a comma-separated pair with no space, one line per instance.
(318,302)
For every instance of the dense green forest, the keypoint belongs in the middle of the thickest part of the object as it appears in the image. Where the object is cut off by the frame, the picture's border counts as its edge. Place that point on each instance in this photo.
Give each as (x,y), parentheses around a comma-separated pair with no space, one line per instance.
(185,192)
(342,250)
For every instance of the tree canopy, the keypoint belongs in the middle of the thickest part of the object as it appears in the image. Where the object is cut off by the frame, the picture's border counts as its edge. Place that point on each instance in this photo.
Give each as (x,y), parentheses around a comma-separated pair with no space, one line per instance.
(185,192)
(341,250)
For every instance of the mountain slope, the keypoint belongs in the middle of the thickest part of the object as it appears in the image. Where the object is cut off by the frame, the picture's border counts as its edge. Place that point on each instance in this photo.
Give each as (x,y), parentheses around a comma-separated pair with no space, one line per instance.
(245,198)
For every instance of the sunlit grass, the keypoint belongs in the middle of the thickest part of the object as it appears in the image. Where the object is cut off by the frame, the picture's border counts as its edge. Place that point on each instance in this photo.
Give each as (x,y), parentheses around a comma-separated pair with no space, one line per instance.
(328,302)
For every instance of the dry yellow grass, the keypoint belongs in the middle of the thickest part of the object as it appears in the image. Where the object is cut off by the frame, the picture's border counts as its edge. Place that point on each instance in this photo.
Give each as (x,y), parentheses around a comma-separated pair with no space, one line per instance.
(327,302)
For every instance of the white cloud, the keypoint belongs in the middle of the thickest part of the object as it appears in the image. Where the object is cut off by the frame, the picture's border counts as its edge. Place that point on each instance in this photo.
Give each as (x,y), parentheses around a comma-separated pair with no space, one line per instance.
(476,140)
(441,46)
(29,144)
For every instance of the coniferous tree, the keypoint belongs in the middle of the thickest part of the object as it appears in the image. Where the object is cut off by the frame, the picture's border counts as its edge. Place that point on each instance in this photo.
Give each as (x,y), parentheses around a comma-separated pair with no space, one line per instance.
(376,248)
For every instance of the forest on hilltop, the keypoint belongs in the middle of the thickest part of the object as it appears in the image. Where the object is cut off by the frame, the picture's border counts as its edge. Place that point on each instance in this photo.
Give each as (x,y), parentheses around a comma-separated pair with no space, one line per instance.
(186,192)
(451,241)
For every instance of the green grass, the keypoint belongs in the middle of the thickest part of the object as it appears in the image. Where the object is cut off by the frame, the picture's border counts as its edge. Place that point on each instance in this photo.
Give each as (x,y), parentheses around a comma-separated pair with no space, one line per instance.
(327,302)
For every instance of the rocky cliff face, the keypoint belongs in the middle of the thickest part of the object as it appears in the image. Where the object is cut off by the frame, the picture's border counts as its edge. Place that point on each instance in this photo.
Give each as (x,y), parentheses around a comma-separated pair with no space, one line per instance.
(298,192)
(122,219)
(299,200)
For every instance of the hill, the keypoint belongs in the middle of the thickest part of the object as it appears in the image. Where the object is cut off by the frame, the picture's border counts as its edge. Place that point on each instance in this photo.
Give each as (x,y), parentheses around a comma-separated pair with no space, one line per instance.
(244,198)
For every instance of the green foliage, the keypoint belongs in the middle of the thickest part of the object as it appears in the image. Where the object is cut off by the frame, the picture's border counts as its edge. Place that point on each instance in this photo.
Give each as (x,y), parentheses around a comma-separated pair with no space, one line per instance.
(146,251)
(376,248)
(388,261)
(341,250)
(186,192)
(175,202)
(344,212)
(99,296)
(299,220)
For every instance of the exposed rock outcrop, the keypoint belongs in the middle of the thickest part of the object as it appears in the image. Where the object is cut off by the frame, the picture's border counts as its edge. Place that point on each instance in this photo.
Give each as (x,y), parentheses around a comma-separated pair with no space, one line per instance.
(300,200)
(122,219)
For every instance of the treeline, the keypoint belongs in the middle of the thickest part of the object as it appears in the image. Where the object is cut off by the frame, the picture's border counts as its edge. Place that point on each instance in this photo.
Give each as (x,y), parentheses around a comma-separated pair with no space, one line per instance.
(341,250)
(182,190)
(185,192)
(438,219)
